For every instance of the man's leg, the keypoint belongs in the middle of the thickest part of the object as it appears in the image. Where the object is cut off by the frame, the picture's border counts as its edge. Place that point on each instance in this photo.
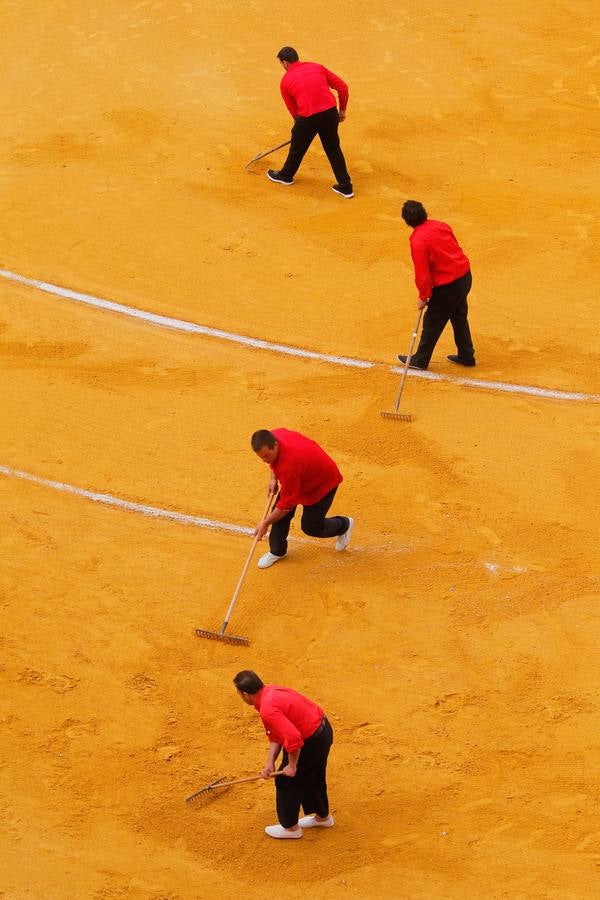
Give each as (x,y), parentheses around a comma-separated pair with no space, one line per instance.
(303,133)
(288,795)
(435,320)
(278,534)
(460,322)
(315,752)
(328,132)
(315,524)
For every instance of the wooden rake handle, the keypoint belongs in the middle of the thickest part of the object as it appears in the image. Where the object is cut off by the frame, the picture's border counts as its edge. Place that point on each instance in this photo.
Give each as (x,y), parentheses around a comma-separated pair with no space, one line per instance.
(213,786)
(266,153)
(244,780)
(408,358)
(268,507)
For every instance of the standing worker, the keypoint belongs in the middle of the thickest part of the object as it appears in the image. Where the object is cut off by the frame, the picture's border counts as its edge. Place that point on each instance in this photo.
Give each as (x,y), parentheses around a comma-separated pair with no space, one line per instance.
(305,90)
(306,476)
(300,728)
(443,279)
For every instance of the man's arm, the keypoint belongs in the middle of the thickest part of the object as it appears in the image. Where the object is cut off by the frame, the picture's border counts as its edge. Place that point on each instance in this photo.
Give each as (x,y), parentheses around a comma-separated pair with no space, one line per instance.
(288,497)
(290,769)
(423,281)
(289,101)
(334,81)
(269,767)
(264,524)
(292,739)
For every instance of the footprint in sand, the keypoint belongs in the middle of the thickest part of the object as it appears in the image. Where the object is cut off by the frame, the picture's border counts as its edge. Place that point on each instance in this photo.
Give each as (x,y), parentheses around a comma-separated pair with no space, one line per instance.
(60,684)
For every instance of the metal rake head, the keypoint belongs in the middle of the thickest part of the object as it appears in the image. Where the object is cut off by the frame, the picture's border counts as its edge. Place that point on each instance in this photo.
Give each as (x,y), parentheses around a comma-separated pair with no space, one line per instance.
(399,417)
(206,790)
(221,636)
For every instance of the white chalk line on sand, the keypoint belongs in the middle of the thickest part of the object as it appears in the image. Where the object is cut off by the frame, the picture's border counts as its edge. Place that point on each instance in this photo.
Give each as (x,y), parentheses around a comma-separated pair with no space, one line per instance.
(194,328)
(184,518)
(145,509)
(111,500)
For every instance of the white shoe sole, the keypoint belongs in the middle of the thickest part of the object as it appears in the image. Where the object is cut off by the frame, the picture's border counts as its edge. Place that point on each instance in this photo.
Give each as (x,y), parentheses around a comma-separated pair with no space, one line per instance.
(311,822)
(277,181)
(269,559)
(347,535)
(282,834)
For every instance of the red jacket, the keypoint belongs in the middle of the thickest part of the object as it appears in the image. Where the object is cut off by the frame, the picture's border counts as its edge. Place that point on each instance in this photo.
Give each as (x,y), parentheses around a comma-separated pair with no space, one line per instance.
(305,89)
(289,717)
(304,471)
(436,255)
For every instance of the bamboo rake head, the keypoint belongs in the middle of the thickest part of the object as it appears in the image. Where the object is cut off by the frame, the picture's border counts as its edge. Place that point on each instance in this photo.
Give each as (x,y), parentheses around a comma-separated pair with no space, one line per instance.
(221,636)
(399,417)
(206,790)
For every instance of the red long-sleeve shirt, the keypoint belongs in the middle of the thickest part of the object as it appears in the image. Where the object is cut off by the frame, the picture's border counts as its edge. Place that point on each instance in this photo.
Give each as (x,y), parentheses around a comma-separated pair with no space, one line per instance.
(305,89)
(304,471)
(437,256)
(289,717)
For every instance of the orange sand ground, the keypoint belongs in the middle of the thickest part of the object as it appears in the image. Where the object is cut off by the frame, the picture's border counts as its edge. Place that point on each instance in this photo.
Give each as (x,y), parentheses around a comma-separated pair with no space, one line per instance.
(455,645)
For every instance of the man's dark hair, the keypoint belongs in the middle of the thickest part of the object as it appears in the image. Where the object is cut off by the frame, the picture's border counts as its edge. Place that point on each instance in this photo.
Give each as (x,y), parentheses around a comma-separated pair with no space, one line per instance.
(248,682)
(414,213)
(288,54)
(262,438)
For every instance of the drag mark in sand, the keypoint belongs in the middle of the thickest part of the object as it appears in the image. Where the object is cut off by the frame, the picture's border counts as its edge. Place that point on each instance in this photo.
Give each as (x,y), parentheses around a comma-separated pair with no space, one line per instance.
(195,328)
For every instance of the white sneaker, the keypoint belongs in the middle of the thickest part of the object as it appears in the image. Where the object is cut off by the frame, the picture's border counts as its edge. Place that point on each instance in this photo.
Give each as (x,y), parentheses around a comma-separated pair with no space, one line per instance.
(344,539)
(281,833)
(313,822)
(269,559)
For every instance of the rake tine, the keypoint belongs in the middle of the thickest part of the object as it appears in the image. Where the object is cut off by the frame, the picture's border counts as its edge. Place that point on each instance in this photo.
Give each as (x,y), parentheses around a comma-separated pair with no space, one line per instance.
(222,783)
(205,790)
(404,417)
(401,417)
(221,636)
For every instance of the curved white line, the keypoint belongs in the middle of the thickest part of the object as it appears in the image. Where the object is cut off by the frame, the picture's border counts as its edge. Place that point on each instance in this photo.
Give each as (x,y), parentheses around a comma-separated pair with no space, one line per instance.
(158,513)
(181,324)
(194,328)
(111,500)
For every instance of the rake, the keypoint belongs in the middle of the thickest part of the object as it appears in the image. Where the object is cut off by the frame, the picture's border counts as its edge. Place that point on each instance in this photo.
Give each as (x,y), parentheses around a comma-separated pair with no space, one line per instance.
(266,153)
(220,635)
(222,783)
(404,417)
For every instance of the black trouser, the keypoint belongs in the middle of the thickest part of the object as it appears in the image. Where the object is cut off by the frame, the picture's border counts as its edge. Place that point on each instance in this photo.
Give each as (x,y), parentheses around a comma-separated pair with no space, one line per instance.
(448,303)
(313,522)
(305,129)
(308,788)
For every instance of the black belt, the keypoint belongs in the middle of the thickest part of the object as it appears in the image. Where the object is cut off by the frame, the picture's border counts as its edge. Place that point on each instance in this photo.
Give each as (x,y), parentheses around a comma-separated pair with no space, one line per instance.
(320,729)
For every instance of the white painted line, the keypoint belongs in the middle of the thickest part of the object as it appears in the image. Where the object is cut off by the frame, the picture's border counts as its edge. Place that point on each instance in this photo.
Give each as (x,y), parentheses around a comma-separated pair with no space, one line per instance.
(194,328)
(153,511)
(505,387)
(181,324)
(111,500)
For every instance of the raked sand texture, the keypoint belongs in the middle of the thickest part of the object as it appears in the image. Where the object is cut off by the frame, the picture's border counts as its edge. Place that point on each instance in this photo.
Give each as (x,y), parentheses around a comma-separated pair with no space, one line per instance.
(455,645)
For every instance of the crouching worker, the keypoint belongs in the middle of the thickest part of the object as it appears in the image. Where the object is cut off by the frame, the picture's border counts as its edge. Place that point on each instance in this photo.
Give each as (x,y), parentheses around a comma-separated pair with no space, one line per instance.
(300,728)
(306,476)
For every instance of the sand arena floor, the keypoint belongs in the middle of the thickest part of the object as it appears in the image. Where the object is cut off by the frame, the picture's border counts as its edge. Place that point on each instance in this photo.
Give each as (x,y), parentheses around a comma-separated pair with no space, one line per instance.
(455,645)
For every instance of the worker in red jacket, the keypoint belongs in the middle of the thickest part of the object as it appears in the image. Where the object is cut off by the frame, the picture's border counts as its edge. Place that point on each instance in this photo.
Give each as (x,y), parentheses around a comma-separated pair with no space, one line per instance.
(298,727)
(443,279)
(305,88)
(301,474)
